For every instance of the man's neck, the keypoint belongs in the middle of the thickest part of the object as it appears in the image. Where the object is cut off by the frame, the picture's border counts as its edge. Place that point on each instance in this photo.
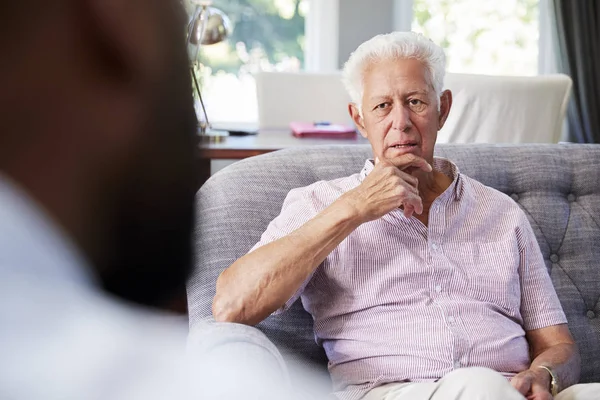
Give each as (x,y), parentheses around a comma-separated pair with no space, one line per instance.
(431,186)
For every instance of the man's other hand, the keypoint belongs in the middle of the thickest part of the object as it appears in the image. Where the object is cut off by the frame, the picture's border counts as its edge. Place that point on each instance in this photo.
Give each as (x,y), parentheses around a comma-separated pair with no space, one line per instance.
(388,187)
(533,384)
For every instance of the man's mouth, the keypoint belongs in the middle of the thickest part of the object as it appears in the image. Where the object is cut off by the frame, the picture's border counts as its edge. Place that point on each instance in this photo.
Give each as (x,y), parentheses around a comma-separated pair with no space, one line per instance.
(403,145)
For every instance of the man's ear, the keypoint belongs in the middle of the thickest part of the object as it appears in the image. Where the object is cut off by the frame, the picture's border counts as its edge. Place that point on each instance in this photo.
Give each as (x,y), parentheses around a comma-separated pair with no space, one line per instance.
(357,118)
(445,106)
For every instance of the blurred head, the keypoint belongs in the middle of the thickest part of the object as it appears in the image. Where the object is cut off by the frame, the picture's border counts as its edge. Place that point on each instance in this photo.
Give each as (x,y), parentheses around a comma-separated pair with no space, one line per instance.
(98,125)
(395,83)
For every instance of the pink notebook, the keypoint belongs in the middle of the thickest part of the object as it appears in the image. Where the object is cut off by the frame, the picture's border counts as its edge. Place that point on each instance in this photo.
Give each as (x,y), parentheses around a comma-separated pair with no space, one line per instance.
(322,130)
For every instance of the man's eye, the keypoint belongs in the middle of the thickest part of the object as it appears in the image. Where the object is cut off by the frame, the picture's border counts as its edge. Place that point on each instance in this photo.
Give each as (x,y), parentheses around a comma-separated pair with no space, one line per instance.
(382,106)
(417,105)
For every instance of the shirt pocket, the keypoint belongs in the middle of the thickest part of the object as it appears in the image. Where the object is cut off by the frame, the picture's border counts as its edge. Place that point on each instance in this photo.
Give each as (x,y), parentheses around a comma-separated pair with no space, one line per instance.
(489,273)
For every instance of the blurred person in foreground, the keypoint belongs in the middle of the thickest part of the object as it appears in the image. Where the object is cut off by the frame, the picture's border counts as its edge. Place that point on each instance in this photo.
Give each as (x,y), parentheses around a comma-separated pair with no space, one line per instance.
(422,282)
(97,186)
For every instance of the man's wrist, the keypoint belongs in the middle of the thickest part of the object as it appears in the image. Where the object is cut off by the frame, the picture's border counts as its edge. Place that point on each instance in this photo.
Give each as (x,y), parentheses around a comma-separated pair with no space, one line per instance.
(542,376)
(351,209)
(550,380)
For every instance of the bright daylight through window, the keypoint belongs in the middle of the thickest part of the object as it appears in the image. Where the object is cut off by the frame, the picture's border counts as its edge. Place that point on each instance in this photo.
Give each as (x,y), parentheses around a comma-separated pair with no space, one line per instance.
(268,35)
(491,37)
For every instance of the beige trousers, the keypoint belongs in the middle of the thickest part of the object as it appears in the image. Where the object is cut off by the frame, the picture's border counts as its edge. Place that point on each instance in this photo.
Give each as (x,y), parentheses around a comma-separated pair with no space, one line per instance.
(471,384)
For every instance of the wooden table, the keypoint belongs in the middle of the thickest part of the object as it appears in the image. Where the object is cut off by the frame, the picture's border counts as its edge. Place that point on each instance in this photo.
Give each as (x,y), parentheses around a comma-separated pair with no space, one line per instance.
(239,147)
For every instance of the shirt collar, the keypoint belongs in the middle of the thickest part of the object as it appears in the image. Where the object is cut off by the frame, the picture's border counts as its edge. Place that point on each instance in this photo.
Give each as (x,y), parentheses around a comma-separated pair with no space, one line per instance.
(32,244)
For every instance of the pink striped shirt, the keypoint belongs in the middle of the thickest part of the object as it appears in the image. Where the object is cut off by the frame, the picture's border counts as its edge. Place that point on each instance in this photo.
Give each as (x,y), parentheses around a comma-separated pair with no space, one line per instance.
(397,301)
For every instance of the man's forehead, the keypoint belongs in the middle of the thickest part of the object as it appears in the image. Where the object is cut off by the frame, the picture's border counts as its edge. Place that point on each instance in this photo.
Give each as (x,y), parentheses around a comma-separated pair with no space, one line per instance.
(403,88)
(386,77)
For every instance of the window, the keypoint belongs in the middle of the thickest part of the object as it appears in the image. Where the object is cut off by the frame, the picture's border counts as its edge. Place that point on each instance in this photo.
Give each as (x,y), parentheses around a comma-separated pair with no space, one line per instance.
(267,35)
(492,37)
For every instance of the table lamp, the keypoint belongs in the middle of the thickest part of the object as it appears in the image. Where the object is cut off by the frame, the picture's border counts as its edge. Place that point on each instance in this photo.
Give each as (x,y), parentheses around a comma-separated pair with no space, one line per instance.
(207,26)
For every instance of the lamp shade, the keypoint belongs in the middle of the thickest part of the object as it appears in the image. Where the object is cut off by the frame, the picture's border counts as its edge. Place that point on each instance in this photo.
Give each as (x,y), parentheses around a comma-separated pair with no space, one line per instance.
(209,26)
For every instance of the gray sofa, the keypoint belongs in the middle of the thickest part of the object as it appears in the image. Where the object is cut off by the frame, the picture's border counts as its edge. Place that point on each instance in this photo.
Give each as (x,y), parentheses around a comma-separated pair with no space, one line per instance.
(558,186)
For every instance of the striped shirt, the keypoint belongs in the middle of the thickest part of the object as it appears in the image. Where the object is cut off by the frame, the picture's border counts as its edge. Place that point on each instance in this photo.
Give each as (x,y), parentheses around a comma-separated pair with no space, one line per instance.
(397,301)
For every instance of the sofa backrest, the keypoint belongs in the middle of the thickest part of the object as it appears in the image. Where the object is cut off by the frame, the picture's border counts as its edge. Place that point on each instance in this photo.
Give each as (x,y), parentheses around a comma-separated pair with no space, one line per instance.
(558,186)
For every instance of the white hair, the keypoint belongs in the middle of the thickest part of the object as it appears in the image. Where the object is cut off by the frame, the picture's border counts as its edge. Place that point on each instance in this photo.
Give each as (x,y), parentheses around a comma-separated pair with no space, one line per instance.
(395,45)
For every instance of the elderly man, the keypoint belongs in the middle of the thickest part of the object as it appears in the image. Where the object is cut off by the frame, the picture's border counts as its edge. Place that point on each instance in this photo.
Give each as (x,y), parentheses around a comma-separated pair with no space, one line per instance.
(422,282)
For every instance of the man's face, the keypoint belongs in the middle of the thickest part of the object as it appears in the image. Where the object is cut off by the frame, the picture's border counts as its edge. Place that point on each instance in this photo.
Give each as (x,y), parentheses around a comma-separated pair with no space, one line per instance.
(154,204)
(400,109)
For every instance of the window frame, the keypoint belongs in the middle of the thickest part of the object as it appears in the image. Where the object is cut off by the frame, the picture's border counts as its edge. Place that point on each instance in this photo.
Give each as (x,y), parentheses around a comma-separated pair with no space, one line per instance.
(322,34)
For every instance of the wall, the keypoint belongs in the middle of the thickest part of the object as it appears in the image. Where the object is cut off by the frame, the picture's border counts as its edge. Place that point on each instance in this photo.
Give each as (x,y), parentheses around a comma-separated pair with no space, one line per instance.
(360,20)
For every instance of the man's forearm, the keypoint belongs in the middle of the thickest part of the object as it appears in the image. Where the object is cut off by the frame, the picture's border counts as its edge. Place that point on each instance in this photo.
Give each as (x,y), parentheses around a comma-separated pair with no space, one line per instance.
(262,281)
(564,360)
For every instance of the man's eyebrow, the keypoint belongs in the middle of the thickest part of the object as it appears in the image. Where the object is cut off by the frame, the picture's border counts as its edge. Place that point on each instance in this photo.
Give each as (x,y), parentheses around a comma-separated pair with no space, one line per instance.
(417,91)
(382,98)
(377,99)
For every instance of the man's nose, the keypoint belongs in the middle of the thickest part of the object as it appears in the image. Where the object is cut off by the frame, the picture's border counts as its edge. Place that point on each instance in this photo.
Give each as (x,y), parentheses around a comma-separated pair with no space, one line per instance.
(401,118)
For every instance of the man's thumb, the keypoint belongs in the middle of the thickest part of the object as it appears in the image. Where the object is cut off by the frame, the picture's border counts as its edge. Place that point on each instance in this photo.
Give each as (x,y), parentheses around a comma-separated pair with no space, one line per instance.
(521,383)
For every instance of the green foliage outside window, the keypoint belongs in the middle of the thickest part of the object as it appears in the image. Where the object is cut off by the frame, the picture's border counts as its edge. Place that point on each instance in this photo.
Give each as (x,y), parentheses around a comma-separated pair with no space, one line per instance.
(266,33)
(482,36)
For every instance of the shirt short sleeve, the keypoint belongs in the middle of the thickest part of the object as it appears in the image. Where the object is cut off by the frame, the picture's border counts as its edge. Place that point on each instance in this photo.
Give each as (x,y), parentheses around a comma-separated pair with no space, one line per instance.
(540,306)
(297,210)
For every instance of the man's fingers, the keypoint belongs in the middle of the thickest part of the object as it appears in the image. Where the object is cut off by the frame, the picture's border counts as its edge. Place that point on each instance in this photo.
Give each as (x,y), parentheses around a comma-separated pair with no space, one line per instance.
(417,205)
(522,384)
(412,204)
(540,396)
(410,160)
(540,391)
(419,163)
(536,387)
(411,180)
(408,210)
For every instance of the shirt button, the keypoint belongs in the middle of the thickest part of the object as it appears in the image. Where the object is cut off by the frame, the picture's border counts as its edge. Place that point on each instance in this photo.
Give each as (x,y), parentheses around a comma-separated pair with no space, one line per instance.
(590,314)
(554,258)
(456,364)
(438,288)
(571,198)
(434,246)
(451,319)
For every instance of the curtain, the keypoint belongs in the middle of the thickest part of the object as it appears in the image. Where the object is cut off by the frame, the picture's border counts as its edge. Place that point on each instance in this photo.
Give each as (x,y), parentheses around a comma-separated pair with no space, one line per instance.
(577,31)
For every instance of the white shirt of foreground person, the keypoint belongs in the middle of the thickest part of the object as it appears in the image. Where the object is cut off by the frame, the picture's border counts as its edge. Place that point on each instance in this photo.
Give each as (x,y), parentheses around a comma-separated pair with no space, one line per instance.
(61,337)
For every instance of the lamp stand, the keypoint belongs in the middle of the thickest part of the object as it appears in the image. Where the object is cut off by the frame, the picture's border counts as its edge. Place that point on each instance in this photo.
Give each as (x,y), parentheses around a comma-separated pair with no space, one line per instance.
(207,26)
(206,134)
